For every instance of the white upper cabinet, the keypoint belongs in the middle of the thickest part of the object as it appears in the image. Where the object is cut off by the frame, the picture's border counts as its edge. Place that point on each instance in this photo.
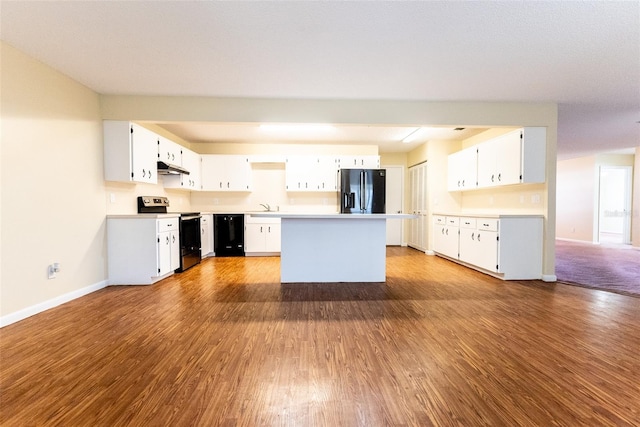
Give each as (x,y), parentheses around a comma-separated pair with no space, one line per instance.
(130,152)
(225,173)
(311,173)
(169,151)
(462,170)
(192,162)
(518,157)
(359,162)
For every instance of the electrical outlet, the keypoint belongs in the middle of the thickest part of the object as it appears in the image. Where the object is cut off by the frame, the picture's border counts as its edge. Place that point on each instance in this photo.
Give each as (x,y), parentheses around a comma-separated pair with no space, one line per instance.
(52,270)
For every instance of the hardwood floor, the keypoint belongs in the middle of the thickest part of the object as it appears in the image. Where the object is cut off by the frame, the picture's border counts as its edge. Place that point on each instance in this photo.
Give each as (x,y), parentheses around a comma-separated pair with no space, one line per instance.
(226,344)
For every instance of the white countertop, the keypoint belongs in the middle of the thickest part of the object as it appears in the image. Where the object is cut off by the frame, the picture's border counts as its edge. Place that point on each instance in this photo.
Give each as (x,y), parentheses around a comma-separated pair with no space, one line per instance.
(299,215)
(487,215)
(144,216)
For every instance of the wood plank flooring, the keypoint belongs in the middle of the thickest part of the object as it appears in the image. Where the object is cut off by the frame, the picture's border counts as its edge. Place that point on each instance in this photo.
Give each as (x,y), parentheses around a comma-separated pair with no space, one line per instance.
(225,344)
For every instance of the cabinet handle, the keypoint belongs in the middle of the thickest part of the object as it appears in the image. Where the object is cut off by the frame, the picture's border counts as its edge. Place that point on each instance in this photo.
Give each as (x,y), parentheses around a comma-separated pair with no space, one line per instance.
(492,177)
(173,157)
(168,154)
(447,233)
(269,229)
(473,236)
(167,240)
(261,229)
(144,173)
(443,231)
(478,237)
(174,238)
(499,177)
(227,184)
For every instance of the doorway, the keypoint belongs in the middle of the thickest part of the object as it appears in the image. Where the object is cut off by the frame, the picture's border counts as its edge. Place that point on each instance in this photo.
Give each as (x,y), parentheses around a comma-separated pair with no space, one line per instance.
(614,205)
(393,203)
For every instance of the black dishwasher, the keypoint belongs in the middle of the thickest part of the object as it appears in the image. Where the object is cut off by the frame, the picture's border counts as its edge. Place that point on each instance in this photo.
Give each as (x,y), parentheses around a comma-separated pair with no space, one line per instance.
(228,234)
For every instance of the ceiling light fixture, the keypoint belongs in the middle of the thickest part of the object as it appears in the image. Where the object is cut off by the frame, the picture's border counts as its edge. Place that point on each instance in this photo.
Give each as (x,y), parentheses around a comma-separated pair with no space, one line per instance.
(412,136)
(297,127)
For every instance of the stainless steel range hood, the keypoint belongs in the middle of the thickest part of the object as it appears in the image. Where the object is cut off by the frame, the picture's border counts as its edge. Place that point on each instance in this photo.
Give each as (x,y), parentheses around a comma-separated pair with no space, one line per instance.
(169,169)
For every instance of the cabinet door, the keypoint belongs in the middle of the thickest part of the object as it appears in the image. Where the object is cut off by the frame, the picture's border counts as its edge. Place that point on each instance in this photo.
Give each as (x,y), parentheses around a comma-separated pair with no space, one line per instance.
(300,173)
(272,237)
(169,151)
(225,173)
(445,240)
(175,250)
(213,173)
(462,171)
(191,161)
(509,159)
(487,157)
(144,155)
(164,252)
(254,237)
(238,173)
(486,254)
(326,174)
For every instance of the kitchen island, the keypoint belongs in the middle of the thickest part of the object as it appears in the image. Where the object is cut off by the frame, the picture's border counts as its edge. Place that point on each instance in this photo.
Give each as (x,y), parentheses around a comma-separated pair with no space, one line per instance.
(323,248)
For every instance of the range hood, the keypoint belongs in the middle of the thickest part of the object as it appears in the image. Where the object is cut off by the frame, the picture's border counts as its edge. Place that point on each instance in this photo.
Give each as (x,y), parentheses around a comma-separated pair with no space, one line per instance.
(169,169)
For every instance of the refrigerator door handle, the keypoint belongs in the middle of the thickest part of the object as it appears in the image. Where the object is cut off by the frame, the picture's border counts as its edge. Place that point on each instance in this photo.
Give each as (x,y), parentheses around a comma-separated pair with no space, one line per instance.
(363,187)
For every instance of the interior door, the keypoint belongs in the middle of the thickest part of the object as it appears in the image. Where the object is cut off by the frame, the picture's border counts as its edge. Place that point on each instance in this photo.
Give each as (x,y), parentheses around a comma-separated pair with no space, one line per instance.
(394,191)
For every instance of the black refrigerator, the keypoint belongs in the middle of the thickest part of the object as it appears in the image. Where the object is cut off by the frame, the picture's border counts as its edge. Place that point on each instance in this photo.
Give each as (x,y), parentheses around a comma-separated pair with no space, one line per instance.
(362,191)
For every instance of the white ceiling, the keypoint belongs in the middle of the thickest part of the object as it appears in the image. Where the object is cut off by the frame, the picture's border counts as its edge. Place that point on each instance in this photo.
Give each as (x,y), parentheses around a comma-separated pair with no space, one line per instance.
(584,55)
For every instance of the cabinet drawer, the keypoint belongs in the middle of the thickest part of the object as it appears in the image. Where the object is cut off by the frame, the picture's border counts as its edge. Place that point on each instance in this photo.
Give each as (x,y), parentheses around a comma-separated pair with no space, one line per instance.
(439,220)
(249,219)
(467,222)
(487,224)
(168,224)
(453,221)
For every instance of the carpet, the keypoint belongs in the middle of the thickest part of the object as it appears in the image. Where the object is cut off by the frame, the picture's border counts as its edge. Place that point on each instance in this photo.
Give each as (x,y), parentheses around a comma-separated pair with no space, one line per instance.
(614,268)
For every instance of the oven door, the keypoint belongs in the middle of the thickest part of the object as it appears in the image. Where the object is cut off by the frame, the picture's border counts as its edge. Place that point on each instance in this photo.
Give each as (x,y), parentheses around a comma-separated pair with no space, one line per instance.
(189,241)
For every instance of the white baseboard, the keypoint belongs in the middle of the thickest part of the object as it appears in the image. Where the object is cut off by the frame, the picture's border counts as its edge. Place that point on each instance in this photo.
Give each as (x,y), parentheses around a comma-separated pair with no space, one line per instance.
(577,241)
(429,252)
(549,278)
(46,305)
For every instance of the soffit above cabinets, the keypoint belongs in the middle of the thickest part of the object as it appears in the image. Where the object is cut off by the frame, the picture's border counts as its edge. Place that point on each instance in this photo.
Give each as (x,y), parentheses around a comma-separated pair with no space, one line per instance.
(387,138)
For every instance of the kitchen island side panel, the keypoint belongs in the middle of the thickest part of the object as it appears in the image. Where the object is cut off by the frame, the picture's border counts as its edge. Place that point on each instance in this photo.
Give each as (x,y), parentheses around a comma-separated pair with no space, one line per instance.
(333,250)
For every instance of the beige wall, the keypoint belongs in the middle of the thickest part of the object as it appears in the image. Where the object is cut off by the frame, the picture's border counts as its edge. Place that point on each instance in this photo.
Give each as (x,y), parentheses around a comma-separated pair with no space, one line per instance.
(576,183)
(53,205)
(578,189)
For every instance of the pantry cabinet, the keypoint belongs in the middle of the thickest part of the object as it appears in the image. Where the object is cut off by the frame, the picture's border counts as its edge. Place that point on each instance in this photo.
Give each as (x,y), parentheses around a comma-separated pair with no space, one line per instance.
(130,152)
(505,246)
(311,173)
(261,236)
(225,173)
(418,227)
(142,249)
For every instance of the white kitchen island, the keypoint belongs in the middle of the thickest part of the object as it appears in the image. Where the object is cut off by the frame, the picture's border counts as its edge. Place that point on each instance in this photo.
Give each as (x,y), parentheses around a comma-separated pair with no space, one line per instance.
(322,248)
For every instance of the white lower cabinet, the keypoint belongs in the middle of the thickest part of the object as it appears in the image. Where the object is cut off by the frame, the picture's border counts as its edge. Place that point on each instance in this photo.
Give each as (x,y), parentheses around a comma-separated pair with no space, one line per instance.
(261,236)
(445,235)
(206,238)
(141,251)
(505,246)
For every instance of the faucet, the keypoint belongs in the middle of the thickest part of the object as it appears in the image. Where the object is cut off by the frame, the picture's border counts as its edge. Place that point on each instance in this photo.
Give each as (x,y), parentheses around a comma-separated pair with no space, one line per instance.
(266,206)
